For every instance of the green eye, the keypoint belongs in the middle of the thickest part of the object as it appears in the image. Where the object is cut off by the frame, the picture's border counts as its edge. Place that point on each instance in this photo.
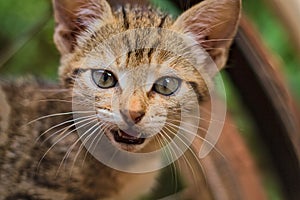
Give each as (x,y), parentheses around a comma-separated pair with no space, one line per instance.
(104,79)
(167,85)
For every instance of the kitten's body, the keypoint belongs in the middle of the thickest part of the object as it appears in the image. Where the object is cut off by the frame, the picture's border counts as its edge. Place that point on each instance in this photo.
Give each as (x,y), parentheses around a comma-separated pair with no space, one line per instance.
(25,174)
(34,165)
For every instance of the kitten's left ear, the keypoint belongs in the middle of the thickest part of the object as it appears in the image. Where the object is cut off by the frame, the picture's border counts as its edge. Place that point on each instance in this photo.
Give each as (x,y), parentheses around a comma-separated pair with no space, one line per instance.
(213,23)
(74,16)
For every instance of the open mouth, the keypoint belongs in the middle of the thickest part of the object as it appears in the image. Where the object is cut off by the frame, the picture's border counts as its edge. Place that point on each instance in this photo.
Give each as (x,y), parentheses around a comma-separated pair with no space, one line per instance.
(122,137)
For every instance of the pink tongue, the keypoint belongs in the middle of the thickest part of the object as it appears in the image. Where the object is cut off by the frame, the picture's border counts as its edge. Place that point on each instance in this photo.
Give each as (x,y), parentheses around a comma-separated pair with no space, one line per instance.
(129,135)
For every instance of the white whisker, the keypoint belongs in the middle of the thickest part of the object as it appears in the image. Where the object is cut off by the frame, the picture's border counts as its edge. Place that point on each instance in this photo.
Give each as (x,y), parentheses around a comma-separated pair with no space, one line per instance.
(101,131)
(60,114)
(198,117)
(59,140)
(70,149)
(68,127)
(197,136)
(190,124)
(84,141)
(173,168)
(186,159)
(82,145)
(63,123)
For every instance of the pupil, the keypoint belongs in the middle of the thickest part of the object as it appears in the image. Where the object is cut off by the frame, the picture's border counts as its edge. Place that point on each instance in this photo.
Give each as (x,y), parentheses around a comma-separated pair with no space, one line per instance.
(165,83)
(105,77)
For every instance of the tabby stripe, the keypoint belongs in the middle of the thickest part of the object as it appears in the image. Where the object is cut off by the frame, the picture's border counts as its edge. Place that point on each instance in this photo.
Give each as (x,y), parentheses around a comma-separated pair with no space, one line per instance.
(195,87)
(76,72)
(125,20)
(139,54)
(152,50)
(162,22)
(150,54)
(128,58)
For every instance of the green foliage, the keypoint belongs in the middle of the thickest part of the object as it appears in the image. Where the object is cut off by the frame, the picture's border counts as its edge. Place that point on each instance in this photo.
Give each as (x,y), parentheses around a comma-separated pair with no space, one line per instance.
(166,5)
(26,38)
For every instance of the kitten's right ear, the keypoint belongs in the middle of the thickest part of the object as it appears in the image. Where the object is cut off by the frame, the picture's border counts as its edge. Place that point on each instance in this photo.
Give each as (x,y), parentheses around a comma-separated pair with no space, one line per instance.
(213,24)
(74,16)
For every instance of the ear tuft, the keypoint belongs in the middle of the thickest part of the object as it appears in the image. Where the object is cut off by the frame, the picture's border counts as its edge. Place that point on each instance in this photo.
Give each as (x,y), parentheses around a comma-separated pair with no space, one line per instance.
(74,16)
(213,24)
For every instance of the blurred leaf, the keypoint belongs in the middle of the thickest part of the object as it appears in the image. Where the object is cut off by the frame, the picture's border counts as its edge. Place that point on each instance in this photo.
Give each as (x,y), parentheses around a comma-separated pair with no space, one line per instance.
(26,38)
(167,6)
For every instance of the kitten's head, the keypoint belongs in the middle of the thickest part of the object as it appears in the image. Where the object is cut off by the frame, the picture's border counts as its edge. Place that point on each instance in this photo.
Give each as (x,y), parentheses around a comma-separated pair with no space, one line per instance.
(135,66)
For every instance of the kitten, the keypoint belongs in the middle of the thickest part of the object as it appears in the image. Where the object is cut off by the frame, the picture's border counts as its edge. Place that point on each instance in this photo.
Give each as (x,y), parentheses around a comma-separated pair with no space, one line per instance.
(123,83)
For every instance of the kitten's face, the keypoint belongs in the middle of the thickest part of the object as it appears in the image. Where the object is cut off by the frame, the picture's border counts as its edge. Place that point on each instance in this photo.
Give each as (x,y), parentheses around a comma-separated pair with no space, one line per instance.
(139,82)
(139,95)
(138,106)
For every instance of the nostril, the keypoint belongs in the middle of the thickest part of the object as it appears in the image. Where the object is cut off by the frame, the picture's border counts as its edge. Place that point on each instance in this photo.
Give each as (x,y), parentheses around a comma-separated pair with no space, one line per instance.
(132,117)
(136,116)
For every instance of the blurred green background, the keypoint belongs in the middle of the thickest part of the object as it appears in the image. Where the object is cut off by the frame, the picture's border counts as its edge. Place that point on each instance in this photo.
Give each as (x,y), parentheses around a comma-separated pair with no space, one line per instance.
(26,47)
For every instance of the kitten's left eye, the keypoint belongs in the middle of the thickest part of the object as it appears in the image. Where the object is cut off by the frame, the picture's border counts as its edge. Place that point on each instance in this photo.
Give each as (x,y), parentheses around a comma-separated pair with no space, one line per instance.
(167,85)
(104,79)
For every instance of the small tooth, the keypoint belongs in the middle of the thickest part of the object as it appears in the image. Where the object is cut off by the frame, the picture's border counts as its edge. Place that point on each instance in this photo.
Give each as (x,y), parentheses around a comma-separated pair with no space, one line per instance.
(119,133)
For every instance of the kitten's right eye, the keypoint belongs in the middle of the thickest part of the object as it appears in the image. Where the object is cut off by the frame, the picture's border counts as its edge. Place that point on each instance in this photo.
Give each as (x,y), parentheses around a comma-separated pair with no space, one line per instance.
(104,79)
(167,85)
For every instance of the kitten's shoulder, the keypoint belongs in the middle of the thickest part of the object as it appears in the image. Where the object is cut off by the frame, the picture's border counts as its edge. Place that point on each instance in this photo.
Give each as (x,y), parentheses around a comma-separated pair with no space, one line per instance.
(23,99)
